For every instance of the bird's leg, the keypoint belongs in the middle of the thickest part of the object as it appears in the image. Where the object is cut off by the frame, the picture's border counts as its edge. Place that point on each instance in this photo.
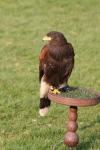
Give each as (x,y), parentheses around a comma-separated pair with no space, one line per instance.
(59,89)
(54,90)
(64,87)
(44,101)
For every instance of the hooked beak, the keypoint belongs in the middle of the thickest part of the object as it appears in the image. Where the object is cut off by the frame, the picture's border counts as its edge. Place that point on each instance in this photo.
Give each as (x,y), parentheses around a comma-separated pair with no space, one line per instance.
(46,38)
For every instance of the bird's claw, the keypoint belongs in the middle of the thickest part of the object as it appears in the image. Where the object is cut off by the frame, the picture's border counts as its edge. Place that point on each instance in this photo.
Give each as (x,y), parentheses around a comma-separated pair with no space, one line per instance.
(55,91)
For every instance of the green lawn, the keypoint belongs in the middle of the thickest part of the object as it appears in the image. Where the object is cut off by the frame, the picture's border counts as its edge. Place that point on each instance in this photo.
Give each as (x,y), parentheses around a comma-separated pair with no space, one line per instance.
(22,25)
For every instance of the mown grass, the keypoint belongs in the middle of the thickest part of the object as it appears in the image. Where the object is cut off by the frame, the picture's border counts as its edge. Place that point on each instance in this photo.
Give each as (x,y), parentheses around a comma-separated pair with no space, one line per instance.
(22,25)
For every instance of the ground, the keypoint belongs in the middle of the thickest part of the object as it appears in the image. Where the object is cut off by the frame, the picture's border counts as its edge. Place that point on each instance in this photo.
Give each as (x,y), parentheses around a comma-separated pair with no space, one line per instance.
(22,25)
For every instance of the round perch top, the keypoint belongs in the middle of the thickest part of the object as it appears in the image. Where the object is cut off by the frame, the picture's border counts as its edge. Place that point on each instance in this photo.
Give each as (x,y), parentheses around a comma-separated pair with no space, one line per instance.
(75,96)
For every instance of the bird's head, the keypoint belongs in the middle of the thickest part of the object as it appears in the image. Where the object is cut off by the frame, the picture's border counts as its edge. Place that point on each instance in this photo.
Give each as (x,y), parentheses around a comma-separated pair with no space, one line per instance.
(55,38)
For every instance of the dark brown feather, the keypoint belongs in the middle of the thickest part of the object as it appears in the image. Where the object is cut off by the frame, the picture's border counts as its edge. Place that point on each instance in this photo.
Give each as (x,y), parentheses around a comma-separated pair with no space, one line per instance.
(56,61)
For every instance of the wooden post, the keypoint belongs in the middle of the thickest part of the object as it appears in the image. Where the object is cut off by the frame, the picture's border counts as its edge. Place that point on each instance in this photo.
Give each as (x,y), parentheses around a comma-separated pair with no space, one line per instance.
(71,138)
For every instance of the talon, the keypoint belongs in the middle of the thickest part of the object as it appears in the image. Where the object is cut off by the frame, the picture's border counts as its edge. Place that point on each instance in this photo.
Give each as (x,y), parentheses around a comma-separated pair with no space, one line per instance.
(55,91)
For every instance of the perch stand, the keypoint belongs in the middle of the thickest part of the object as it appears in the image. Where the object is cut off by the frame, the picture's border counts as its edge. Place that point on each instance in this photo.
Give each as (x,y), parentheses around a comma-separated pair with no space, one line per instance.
(71,139)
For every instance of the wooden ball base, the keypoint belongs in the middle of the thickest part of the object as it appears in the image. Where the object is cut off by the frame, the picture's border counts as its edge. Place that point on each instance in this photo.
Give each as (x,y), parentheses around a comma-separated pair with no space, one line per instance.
(71,138)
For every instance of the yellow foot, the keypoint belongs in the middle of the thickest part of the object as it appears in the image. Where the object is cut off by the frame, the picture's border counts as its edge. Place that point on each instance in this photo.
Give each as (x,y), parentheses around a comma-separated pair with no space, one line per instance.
(55,91)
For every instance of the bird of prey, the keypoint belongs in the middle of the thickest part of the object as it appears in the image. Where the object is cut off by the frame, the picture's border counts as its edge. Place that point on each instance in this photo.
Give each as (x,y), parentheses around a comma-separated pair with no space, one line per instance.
(56,62)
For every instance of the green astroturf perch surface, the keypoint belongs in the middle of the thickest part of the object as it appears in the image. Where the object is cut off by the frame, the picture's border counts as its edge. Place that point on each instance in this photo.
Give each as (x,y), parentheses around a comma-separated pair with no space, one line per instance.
(78,93)
(23,23)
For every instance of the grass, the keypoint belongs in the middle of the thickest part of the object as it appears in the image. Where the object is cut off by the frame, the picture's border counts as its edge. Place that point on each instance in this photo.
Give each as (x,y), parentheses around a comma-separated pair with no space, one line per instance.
(22,25)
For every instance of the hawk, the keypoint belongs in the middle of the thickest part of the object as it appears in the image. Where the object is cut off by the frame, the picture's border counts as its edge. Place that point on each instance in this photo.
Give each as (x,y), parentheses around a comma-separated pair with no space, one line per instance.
(56,62)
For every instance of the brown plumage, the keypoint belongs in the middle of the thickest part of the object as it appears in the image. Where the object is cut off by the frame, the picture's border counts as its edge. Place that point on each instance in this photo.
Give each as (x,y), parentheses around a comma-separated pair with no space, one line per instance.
(56,61)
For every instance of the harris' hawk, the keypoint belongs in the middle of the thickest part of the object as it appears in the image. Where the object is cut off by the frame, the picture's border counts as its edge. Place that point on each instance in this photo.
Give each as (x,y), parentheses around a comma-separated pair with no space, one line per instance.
(56,62)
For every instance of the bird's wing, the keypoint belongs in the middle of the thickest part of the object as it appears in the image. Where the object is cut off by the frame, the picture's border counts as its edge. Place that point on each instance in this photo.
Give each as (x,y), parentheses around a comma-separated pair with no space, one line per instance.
(70,61)
(56,72)
(42,60)
(69,67)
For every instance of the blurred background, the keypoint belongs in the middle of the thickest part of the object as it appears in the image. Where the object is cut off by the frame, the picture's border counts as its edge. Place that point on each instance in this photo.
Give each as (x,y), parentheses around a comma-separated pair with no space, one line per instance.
(22,26)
